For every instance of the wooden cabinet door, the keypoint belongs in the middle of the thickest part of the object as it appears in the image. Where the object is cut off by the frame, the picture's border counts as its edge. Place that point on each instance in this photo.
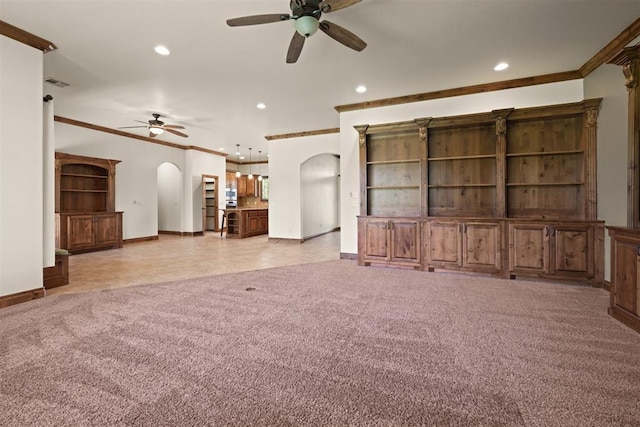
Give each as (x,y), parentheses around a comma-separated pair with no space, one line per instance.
(445,248)
(106,230)
(250,187)
(375,239)
(232,181)
(573,250)
(79,232)
(405,241)
(481,246)
(529,248)
(242,186)
(626,275)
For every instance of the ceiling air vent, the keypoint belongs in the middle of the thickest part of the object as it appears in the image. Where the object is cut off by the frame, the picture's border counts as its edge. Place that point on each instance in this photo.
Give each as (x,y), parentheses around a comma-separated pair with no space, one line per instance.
(55,82)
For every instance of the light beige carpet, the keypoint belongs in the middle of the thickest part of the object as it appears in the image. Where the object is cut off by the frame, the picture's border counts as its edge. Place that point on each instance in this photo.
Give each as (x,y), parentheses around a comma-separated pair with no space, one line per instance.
(329,343)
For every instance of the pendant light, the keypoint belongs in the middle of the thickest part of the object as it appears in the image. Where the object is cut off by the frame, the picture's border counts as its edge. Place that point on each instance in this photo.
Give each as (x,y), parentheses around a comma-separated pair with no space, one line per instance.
(260,158)
(250,174)
(238,155)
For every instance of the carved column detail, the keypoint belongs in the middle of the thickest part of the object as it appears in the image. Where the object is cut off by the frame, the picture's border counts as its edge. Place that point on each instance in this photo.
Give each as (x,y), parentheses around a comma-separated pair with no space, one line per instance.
(629,59)
(362,144)
(501,160)
(591,164)
(423,135)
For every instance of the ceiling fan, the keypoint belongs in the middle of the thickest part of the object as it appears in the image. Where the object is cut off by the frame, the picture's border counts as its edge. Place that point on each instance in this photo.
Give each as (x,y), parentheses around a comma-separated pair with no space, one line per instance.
(157,127)
(306,14)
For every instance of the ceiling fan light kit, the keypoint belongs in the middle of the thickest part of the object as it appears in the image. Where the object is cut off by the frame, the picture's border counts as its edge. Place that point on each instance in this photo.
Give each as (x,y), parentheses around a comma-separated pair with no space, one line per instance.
(306,19)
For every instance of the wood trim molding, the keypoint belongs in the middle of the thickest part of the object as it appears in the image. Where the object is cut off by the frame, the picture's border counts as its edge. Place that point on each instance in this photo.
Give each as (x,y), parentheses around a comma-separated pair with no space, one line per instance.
(465,90)
(140,239)
(283,240)
(99,128)
(12,299)
(26,37)
(600,58)
(349,256)
(612,48)
(301,134)
(235,162)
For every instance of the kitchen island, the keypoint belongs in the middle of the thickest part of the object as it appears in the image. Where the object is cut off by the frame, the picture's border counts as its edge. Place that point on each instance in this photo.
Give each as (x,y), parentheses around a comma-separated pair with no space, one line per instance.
(246,222)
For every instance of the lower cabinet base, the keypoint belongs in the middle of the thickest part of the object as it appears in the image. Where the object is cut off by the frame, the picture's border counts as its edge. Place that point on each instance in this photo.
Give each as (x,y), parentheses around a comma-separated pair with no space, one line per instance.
(559,251)
(625,317)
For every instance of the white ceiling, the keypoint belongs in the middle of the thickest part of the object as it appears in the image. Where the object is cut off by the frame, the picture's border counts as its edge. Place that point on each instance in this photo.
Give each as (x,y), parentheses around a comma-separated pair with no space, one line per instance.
(216,74)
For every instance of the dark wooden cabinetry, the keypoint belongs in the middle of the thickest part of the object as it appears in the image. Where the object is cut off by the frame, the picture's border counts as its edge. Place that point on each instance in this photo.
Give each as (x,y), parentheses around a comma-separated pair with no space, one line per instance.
(247,222)
(246,186)
(390,241)
(507,192)
(625,276)
(560,250)
(463,245)
(85,204)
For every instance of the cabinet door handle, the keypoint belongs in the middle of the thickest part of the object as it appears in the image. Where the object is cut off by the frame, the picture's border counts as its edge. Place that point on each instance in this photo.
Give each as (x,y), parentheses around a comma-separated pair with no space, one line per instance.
(638,250)
(546,231)
(553,231)
(460,227)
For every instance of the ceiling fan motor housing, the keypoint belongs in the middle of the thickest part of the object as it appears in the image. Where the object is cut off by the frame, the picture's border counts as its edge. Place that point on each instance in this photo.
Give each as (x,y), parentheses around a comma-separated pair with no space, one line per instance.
(305,8)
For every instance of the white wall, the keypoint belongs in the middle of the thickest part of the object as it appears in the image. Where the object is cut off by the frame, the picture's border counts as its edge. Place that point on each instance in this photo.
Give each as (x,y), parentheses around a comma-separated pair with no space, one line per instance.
(607,82)
(320,196)
(197,164)
(137,174)
(21,167)
(553,93)
(169,197)
(285,158)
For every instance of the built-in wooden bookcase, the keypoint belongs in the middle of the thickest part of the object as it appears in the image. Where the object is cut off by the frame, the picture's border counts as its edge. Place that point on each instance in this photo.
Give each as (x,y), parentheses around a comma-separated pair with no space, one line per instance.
(509,192)
(85,203)
(462,170)
(391,176)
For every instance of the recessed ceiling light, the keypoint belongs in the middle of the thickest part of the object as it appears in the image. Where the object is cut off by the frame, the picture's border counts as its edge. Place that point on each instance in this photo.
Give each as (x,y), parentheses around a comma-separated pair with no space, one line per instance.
(221,148)
(261,105)
(361,89)
(241,157)
(501,66)
(162,50)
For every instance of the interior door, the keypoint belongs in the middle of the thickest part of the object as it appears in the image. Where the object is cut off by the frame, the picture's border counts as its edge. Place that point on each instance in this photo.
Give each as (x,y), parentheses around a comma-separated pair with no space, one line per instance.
(210,203)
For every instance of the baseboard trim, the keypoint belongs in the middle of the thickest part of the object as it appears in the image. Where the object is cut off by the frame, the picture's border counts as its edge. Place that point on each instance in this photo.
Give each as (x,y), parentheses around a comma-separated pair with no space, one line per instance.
(283,240)
(20,297)
(140,239)
(172,233)
(182,233)
(606,285)
(349,256)
(304,239)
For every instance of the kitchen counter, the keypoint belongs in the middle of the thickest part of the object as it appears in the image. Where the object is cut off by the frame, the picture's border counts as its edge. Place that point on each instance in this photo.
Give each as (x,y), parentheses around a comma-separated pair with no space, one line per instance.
(246,222)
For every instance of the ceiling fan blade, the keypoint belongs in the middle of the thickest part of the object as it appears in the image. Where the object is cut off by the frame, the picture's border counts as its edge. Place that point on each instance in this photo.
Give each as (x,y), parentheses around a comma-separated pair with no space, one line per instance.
(295,47)
(173,127)
(257,19)
(175,132)
(342,35)
(327,6)
(132,127)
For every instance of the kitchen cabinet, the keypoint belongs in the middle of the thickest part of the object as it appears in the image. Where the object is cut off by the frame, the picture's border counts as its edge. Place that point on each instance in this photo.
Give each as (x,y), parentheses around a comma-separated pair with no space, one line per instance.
(247,222)
(87,232)
(246,186)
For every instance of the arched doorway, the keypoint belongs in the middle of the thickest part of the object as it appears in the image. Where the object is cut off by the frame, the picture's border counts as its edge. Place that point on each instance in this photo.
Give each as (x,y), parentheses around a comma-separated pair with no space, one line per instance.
(320,195)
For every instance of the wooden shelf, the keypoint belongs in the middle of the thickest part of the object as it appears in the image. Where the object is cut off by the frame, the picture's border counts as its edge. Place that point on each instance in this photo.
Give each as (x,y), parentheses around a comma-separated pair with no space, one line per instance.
(81,175)
(478,156)
(542,184)
(67,190)
(545,153)
(394,187)
(460,185)
(390,162)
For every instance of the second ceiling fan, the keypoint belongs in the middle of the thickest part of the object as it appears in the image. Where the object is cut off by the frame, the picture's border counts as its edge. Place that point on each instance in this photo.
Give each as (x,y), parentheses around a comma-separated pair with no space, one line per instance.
(306,14)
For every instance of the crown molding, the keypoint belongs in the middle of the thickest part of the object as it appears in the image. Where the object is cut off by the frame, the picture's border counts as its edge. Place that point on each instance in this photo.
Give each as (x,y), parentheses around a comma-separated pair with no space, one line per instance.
(25,37)
(301,134)
(99,128)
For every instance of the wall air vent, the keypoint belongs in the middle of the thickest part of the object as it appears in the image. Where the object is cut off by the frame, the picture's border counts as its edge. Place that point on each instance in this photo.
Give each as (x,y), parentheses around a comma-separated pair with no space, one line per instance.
(55,82)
